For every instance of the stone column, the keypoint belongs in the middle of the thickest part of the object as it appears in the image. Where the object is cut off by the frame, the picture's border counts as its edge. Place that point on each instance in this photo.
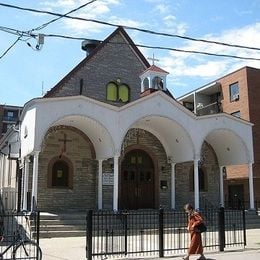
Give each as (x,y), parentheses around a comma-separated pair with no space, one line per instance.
(251,186)
(25,183)
(196,184)
(115,191)
(100,184)
(35,180)
(221,187)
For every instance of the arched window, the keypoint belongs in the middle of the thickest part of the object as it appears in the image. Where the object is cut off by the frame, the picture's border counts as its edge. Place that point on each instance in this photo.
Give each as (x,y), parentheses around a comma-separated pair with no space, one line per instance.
(119,93)
(157,83)
(203,180)
(60,173)
(146,83)
(111,91)
(123,93)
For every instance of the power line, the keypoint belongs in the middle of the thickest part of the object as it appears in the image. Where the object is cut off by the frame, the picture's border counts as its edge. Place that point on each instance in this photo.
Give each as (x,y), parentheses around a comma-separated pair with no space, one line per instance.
(64,15)
(132,28)
(161,48)
(8,49)
(22,33)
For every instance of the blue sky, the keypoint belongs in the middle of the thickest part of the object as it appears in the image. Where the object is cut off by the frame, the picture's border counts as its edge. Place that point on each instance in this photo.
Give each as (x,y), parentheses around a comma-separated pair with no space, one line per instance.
(26,73)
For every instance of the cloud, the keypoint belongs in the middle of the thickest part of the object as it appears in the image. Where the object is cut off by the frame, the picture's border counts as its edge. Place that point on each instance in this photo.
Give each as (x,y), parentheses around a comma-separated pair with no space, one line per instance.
(208,67)
(95,10)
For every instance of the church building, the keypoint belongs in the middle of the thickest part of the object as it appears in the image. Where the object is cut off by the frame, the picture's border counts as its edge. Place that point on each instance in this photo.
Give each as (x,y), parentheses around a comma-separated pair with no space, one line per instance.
(111,136)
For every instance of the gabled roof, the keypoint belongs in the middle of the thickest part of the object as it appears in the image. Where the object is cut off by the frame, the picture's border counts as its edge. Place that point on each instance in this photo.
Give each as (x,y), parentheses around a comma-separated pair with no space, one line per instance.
(154,68)
(96,50)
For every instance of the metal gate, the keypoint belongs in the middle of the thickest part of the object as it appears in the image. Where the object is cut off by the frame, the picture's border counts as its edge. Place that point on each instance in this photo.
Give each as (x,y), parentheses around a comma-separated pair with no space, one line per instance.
(159,233)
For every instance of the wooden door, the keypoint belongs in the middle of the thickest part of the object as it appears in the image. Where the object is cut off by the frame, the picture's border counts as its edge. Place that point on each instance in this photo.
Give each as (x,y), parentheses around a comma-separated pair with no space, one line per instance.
(137,181)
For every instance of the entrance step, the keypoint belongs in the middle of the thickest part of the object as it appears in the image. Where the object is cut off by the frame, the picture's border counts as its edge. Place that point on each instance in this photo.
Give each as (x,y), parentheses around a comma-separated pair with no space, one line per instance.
(252,219)
(62,224)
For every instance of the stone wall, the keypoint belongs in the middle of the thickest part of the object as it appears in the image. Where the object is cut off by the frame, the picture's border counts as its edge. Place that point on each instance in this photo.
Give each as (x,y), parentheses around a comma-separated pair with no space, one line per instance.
(79,150)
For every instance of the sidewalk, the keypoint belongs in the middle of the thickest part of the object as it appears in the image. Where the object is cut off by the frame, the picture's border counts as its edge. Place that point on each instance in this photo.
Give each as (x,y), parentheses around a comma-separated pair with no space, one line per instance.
(74,248)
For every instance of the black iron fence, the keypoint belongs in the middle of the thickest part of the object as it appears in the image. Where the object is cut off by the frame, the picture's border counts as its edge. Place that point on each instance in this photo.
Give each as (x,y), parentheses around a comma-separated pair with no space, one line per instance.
(14,225)
(159,232)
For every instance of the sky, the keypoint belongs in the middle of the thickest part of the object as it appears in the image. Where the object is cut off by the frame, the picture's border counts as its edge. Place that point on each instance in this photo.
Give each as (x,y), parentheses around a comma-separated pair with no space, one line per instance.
(26,72)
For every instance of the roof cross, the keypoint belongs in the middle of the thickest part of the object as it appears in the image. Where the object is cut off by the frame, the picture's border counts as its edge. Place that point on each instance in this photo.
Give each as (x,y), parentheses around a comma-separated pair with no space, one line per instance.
(153,59)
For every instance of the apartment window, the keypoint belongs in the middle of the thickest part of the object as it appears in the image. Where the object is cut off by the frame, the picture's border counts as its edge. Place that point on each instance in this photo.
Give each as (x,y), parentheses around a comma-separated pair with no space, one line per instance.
(237,114)
(234,92)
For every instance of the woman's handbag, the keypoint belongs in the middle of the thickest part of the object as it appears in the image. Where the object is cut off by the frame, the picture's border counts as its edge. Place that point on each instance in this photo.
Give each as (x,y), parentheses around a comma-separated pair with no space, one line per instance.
(201,228)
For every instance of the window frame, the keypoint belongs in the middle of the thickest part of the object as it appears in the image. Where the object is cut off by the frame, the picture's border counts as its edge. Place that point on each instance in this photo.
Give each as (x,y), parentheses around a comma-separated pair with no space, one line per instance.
(234,92)
(118,97)
(50,173)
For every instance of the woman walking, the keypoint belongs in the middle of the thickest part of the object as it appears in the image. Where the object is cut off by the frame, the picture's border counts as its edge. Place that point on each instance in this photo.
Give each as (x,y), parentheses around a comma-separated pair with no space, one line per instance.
(194,219)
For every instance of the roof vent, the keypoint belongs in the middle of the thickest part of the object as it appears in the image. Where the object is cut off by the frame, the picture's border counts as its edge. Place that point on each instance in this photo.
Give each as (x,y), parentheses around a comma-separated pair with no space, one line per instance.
(89,45)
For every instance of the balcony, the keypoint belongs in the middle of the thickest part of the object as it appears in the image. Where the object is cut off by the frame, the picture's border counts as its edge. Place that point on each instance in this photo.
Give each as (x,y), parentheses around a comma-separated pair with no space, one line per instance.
(9,119)
(213,108)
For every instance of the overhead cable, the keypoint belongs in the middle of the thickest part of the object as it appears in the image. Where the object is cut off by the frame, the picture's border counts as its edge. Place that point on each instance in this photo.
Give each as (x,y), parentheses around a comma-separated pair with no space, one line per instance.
(131,28)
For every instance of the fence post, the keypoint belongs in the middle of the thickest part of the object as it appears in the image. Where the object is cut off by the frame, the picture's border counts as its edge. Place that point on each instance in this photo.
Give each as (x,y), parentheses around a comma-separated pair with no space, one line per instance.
(161,240)
(89,235)
(244,226)
(221,228)
(125,230)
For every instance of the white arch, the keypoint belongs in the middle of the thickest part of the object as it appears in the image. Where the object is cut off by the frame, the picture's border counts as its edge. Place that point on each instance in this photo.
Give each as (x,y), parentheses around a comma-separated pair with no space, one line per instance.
(94,130)
(175,139)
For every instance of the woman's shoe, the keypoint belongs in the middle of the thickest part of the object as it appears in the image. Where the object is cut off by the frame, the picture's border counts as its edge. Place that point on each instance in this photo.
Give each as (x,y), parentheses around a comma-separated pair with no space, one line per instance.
(202,258)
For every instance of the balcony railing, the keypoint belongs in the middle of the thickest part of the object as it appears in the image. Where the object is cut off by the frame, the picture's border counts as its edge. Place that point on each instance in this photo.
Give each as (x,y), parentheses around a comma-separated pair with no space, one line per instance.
(10,118)
(212,108)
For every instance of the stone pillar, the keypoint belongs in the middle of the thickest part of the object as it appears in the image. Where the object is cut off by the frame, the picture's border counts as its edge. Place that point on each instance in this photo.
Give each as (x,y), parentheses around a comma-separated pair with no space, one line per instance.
(116,183)
(196,184)
(221,187)
(100,185)
(251,186)
(173,188)
(35,180)
(25,183)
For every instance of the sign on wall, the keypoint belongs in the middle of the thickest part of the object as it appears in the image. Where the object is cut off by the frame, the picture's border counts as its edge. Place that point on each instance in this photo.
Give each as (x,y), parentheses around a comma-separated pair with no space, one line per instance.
(108,178)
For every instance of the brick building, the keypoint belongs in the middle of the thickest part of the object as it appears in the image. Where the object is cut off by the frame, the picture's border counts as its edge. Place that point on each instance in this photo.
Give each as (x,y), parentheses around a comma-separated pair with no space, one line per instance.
(109,135)
(237,94)
(9,115)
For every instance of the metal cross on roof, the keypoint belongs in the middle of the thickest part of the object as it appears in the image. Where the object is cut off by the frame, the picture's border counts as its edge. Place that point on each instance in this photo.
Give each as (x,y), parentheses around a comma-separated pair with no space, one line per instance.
(153,59)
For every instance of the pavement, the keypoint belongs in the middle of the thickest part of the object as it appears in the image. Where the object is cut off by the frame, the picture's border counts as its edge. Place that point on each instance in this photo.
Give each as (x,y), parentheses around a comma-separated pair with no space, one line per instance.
(75,249)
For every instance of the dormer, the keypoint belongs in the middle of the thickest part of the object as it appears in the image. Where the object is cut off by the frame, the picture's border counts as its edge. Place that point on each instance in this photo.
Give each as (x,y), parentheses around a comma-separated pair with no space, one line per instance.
(153,79)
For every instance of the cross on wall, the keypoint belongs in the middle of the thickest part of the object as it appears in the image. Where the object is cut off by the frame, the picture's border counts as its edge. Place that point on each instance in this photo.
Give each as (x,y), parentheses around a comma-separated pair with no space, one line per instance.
(64,147)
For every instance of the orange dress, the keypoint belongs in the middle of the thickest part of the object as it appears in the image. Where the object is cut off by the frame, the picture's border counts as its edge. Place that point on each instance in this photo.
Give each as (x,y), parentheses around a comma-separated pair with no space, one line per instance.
(195,244)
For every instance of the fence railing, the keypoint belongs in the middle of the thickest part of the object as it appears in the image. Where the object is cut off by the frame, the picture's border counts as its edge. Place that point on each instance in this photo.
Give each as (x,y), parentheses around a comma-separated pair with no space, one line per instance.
(159,232)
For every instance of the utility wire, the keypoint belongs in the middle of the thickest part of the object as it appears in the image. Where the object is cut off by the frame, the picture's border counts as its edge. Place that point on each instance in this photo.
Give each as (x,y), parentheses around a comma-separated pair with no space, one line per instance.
(10,47)
(161,48)
(22,33)
(131,28)
(64,15)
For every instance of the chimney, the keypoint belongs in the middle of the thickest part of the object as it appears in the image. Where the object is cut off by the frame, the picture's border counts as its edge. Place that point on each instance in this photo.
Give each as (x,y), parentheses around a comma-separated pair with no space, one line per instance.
(89,45)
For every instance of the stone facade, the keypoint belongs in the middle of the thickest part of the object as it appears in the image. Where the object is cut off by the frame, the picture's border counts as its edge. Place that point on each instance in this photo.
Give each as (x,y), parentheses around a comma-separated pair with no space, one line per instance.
(82,194)
(115,61)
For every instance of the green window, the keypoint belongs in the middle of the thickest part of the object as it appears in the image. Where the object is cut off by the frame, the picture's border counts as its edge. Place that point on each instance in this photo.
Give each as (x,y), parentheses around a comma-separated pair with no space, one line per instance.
(117,92)
(111,92)
(123,93)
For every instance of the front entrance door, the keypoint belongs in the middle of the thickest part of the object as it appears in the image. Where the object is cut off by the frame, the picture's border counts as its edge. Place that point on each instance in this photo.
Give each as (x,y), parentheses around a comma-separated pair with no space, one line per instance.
(236,196)
(137,181)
